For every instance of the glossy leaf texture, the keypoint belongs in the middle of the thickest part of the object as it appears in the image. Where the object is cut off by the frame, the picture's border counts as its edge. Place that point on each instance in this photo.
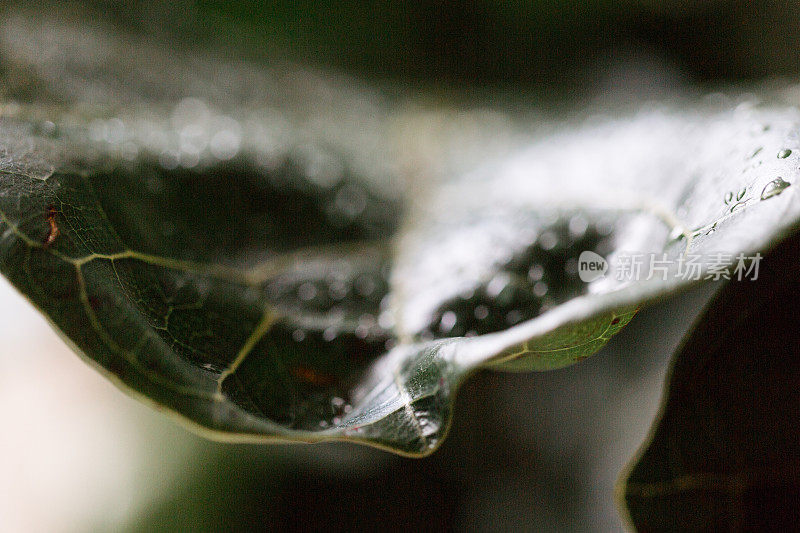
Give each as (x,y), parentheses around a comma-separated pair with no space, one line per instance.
(725,453)
(272,253)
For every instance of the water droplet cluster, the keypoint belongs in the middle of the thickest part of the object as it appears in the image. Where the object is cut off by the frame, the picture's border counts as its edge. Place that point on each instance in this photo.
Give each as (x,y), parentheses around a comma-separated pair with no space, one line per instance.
(537,278)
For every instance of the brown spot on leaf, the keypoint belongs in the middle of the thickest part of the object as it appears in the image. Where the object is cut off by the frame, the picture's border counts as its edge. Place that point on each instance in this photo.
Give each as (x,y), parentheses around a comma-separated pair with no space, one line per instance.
(309,375)
(53,231)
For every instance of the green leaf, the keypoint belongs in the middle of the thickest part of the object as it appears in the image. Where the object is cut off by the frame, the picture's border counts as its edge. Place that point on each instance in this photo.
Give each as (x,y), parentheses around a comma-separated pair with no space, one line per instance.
(724,454)
(275,254)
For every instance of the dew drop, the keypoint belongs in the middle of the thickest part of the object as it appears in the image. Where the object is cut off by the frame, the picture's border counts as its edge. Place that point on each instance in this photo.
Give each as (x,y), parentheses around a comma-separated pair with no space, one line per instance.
(676,233)
(366,320)
(48,128)
(481,312)
(783,154)
(497,284)
(540,288)
(337,402)
(350,201)
(728,197)
(548,240)
(512,317)
(307,291)
(225,143)
(169,159)
(298,335)
(337,290)
(774,188)
(578,225)
(365,285)
(571,266)
(361,331)
(448,321)
(536,272)
(386,320)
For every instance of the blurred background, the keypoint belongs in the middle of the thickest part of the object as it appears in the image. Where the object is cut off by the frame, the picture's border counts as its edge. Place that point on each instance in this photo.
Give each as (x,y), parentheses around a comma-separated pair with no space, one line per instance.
(536,452)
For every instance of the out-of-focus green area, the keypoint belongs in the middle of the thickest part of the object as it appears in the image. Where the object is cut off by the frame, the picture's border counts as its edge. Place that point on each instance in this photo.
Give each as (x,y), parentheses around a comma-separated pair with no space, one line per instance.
(536,43)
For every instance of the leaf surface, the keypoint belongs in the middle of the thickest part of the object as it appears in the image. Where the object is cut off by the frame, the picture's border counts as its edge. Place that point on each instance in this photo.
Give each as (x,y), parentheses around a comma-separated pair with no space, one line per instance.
(273,253)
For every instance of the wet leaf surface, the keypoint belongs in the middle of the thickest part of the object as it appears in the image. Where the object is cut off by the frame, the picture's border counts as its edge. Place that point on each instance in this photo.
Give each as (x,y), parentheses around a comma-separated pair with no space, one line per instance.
(281,254)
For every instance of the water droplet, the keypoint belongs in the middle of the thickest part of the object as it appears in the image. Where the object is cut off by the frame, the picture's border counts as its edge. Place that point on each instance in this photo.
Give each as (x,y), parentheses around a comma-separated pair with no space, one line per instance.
(512,317)
(774,188)
(540,288)
(361,331)
(365,285)
(350,201)
(571,266)
(728,197)
(367,320)
(337,290)
(536,272)
(756,152)
(386,320)
(481,312)
(676,233)
(578,225)
(337,402)
(226,142)
(329,334)
(115,131)
(741,193)
(298,335)
(548,240)
(448,321)
(783,154)
(307,291)
(497,284)
(169,159)
(48,128)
